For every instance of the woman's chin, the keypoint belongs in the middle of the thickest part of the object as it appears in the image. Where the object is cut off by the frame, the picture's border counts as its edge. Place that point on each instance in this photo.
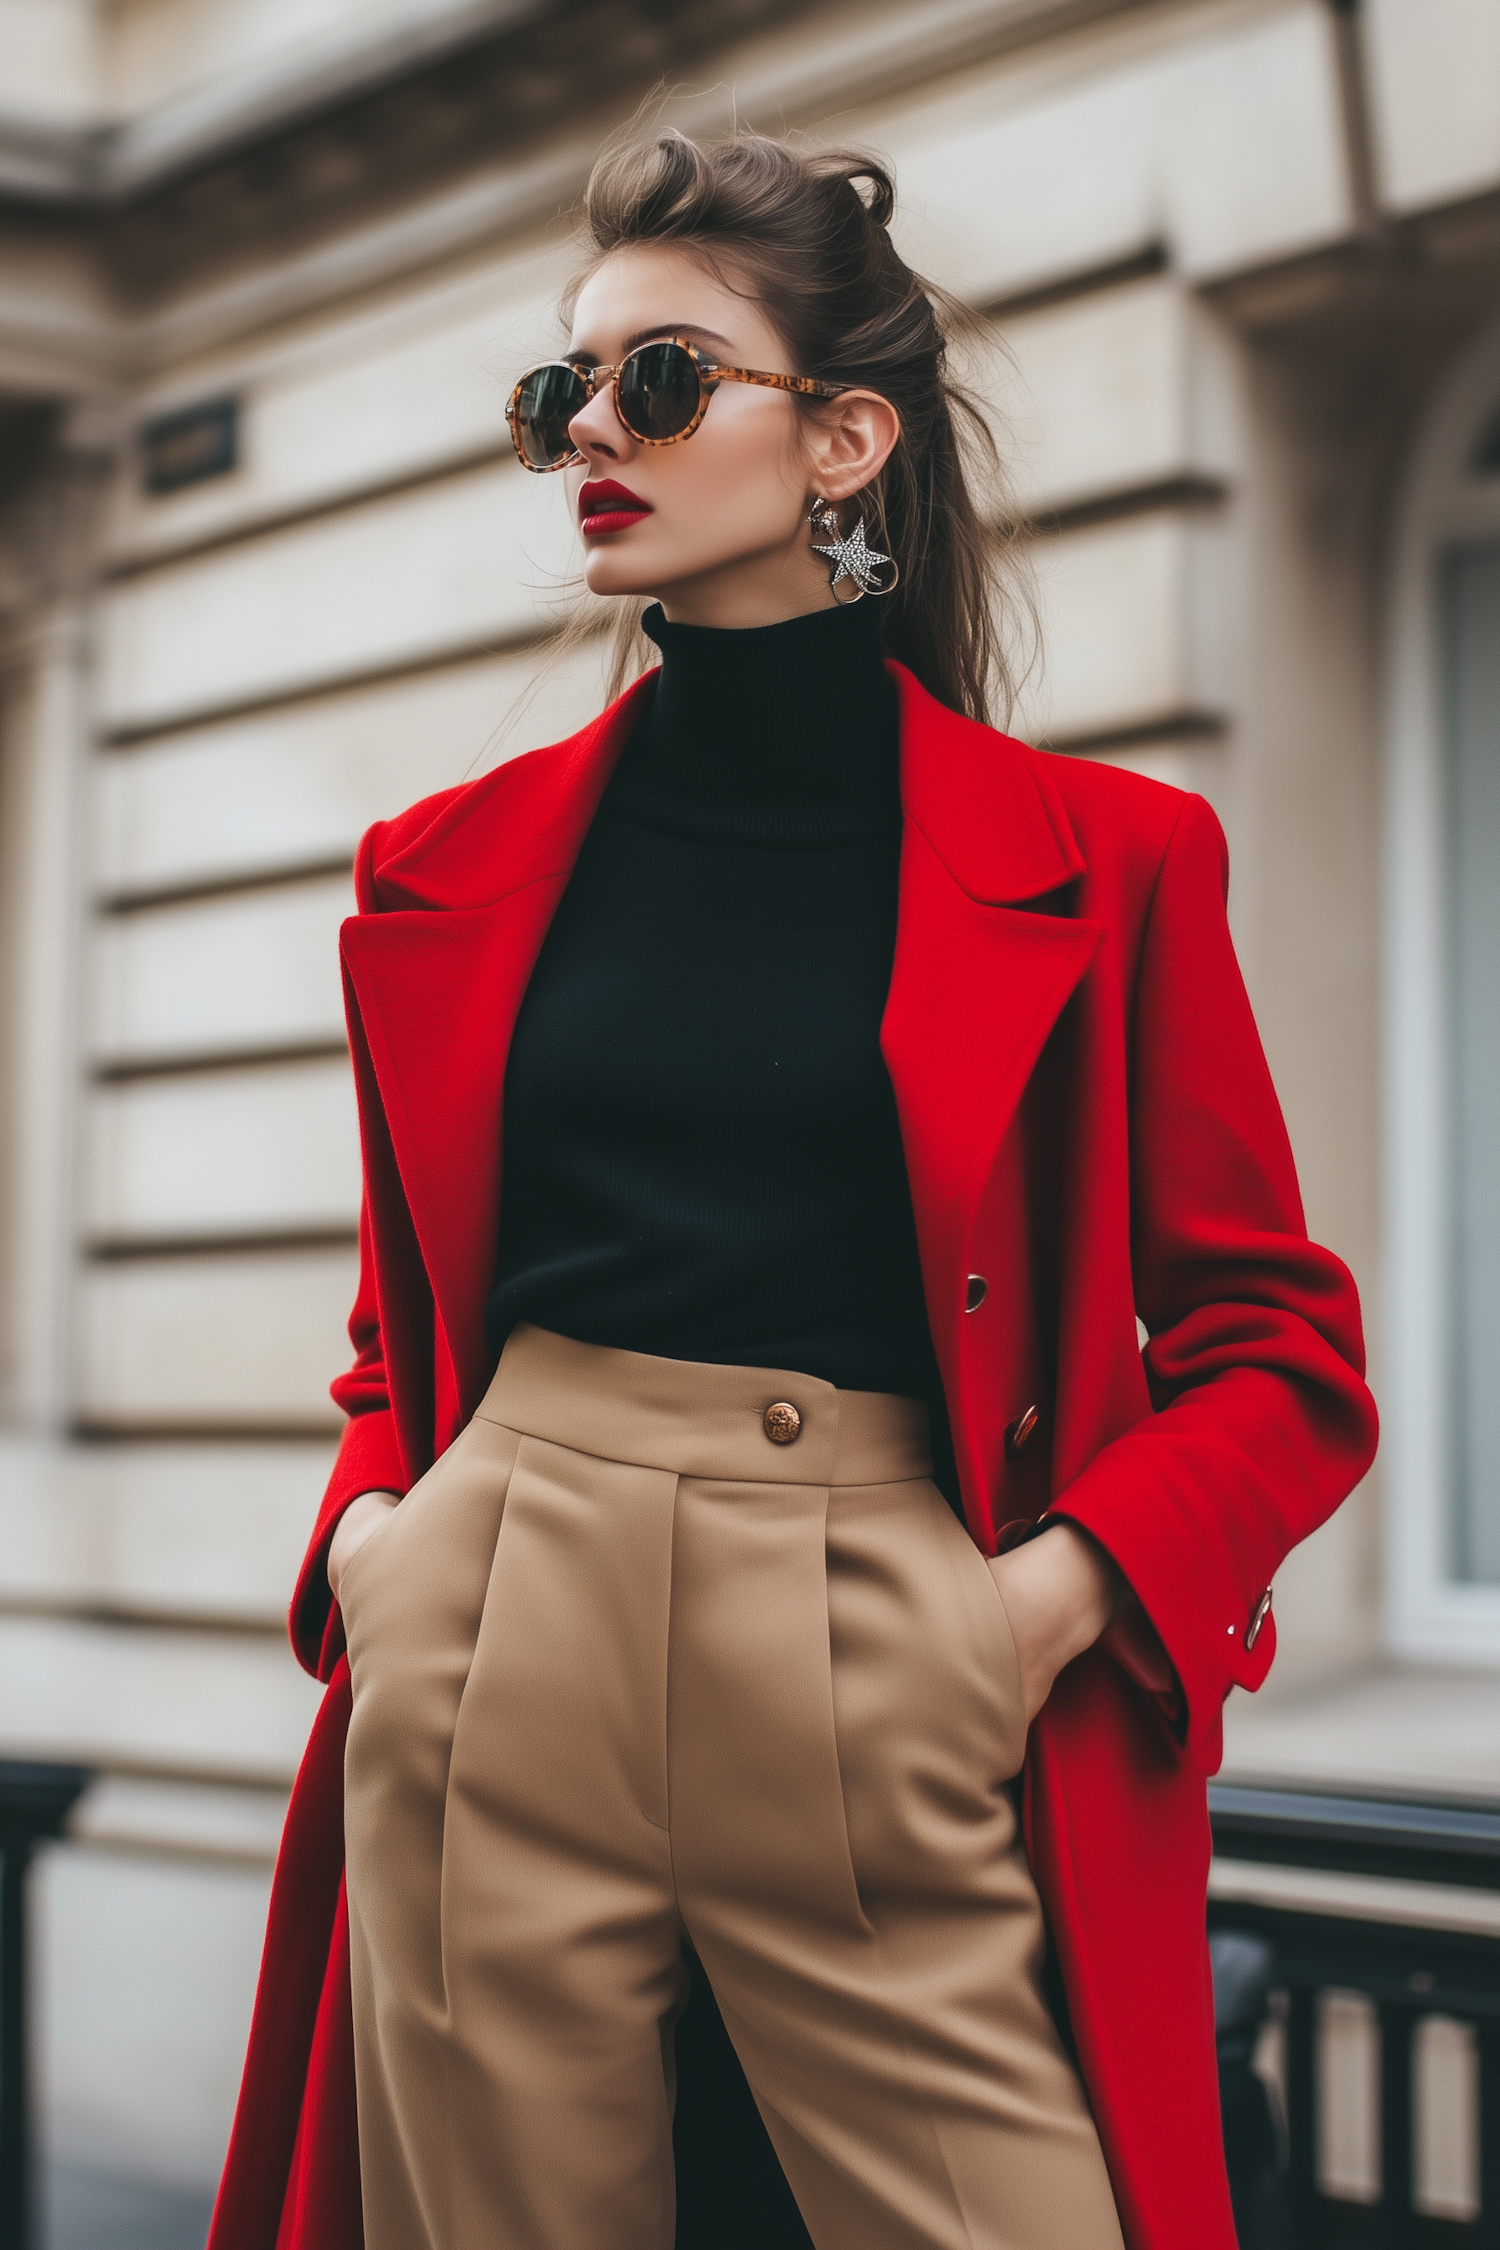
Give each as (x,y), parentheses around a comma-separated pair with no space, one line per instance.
(607,570)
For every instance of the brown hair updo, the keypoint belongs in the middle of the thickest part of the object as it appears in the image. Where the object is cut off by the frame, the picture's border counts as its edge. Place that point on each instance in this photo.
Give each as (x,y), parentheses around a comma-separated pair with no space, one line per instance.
(792,228)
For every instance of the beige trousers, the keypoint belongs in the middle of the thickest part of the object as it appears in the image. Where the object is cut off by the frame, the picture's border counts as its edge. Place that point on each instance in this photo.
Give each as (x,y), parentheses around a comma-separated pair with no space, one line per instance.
(628,1675)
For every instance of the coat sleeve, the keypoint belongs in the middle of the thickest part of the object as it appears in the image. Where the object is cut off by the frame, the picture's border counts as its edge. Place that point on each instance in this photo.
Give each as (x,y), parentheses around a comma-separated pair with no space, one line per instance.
(369,1456)
(1255,1359)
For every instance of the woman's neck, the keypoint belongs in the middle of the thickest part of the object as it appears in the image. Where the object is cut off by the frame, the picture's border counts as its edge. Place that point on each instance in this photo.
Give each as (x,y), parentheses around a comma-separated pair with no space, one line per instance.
(771,589)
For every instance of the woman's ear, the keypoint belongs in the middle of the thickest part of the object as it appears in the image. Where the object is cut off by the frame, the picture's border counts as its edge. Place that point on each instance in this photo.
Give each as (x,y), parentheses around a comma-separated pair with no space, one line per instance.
(852,439)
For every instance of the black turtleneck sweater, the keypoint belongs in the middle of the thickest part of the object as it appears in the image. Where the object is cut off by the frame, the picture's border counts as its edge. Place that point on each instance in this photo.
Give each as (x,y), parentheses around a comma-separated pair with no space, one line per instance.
(702,1157)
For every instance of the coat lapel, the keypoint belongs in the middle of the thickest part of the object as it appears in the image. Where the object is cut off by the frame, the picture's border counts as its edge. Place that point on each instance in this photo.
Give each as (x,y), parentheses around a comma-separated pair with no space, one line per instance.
(979,980)
(436,981)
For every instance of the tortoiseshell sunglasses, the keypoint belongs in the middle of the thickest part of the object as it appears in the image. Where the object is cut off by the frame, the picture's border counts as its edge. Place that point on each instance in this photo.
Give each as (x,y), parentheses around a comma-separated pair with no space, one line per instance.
(662,392)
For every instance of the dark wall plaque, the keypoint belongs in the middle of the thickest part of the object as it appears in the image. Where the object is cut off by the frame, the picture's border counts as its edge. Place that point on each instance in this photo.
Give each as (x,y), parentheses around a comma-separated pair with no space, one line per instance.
(190,444)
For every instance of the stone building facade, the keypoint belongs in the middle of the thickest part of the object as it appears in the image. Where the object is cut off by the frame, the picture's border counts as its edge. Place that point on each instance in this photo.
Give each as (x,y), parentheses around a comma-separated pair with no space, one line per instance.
(269,571)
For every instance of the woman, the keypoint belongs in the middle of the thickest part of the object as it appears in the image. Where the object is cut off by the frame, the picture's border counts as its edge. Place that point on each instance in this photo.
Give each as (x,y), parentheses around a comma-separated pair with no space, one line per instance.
(863,1076)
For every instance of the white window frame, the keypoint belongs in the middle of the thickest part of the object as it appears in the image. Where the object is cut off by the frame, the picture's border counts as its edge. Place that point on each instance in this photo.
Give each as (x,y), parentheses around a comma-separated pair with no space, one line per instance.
(1429,1614)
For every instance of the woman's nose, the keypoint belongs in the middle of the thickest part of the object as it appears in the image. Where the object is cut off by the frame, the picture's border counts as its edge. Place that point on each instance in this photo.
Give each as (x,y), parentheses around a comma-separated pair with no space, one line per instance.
(597,429)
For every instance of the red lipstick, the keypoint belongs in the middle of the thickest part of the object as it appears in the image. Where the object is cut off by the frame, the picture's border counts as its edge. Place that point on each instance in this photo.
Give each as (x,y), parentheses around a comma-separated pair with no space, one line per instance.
(604,505)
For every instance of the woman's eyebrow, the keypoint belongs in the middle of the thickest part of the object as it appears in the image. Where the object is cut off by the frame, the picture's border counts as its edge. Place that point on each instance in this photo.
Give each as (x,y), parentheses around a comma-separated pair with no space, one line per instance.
(677,328)
(579,354)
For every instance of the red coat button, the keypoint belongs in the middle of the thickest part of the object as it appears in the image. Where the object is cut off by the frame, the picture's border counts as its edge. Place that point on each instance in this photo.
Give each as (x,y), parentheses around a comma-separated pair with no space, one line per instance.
(1022,1430)
(1262,1612)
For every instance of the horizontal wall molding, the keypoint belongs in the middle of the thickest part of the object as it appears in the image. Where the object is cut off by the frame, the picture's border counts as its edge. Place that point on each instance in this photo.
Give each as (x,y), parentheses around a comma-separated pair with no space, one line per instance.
(187,1821)
(180,1851)
(1429,251)
(125,1616)
(1183,493)
(1086,281)
(1166,726)
(245,530)
(110,1765)
(123,1070)
(207,1429)
(438,659)
(232,883)
(248,1242)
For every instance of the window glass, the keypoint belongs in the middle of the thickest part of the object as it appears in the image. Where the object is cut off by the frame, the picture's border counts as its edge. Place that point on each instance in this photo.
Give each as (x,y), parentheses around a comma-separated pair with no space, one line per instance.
(1471,609)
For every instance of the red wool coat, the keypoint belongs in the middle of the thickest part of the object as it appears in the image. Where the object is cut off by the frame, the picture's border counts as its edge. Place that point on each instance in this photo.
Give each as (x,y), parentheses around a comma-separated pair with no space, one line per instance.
(1089,1124)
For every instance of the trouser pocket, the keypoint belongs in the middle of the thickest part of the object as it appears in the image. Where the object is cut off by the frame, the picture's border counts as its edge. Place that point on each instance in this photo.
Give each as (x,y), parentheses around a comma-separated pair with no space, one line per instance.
(928,1706)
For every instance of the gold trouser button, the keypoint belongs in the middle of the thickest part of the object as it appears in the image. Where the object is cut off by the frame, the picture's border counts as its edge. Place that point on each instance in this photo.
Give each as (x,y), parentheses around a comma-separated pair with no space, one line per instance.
(783,1422)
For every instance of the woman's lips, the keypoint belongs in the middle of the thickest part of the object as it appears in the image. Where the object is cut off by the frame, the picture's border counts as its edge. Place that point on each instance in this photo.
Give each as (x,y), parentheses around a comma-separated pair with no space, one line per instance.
(604,505)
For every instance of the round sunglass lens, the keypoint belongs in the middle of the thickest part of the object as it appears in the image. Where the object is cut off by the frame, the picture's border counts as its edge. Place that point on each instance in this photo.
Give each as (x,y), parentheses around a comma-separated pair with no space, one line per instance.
(658,391)
(549,399)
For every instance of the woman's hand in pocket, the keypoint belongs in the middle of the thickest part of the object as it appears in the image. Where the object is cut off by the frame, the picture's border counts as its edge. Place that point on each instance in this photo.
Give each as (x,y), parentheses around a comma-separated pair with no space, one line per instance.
(360,1521)
(1060,1591)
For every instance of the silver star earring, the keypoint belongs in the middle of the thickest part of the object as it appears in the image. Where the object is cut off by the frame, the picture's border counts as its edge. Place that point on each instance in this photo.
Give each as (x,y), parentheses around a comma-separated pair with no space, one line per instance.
(852,558)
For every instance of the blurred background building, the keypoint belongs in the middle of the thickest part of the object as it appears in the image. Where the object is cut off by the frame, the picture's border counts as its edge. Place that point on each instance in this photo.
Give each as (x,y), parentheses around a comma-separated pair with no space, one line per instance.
(268,571)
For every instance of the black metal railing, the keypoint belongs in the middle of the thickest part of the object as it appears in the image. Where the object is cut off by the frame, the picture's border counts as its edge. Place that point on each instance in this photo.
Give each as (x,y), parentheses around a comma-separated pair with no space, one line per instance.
(1407,1973)
(35,1801)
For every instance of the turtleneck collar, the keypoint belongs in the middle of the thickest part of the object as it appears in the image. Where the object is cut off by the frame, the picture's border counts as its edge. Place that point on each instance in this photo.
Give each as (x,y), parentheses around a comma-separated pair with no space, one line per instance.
(781,734)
